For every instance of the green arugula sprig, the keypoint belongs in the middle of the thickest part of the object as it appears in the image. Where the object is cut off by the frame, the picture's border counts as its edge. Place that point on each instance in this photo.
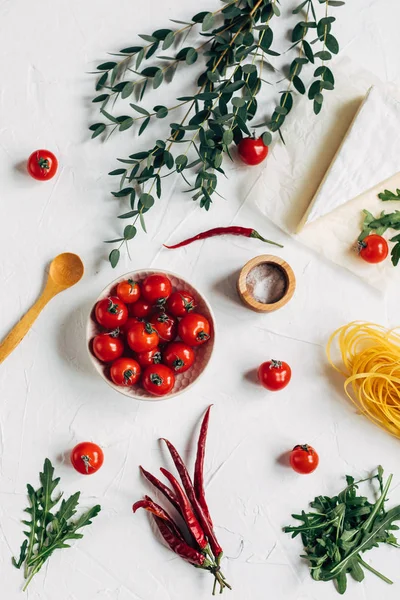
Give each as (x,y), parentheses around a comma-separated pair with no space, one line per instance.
(48,530)
(342,528)
(237,49)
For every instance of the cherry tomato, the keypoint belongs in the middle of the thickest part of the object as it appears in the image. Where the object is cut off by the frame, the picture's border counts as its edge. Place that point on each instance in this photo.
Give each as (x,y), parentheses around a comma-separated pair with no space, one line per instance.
(373,249)
(142,336)
(128,291)
(165,325)
(140,309)
(125,371)
(180,303)
(304,459)
(156,289)
(274,375)
(158,380)
(107,346)
(252,151)
(149,357)
(178,356)
(42,165)
(111,312)
(194,329)
(87,458)
(126,326)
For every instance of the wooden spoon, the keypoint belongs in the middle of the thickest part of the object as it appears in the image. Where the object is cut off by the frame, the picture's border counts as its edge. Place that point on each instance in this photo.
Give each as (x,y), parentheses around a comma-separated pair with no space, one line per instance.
(65,270)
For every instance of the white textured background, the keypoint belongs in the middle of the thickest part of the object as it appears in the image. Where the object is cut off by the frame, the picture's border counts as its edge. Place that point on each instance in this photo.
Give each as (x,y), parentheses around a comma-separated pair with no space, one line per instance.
(51,398)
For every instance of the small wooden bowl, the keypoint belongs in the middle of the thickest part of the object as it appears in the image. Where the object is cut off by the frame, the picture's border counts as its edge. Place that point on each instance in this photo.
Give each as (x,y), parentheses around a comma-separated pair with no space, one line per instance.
(280,265)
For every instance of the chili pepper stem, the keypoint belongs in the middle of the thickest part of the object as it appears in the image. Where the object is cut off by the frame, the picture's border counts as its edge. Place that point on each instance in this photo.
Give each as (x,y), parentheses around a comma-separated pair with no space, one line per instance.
(257,236)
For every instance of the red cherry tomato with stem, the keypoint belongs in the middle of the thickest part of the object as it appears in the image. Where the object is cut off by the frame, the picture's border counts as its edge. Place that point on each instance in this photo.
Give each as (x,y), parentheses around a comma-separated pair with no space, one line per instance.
(194,329)
(274,375)
(252,151)
(42,165)
(304,459)
(373,249)
(111,312)
(156,289)
(158,380)
(128,291)
(149,357)
(107,346)
(165,325)
(178,356)
(142,336)
(140,309)
(180,303)
(125,371)
(87,458)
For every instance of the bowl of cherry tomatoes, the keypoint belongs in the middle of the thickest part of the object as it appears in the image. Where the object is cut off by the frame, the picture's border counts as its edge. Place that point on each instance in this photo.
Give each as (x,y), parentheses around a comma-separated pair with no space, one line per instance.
(150,335)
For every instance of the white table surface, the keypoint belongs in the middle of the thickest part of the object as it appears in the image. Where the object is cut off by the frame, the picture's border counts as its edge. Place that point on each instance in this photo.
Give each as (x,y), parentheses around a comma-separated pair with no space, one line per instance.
(50,396)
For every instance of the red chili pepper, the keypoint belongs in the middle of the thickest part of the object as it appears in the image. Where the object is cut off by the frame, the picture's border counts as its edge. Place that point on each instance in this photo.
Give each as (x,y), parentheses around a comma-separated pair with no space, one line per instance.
(154,508)
(188,485)
(199,466)
(181,548)
(233,230)
(187,511)
(162,488)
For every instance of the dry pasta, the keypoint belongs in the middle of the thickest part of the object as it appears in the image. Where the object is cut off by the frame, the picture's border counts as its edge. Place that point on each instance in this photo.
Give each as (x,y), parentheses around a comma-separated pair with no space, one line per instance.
(370,361)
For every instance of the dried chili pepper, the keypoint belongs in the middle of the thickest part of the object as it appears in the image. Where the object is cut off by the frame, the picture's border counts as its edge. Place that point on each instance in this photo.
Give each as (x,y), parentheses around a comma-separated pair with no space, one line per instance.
(162,488)
(187,511)
(159,512)
(188,485)
(199,466)
(232,230)
(180,547)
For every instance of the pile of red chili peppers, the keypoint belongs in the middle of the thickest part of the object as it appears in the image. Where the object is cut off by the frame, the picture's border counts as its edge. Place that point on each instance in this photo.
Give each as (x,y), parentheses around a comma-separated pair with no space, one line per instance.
(203,550)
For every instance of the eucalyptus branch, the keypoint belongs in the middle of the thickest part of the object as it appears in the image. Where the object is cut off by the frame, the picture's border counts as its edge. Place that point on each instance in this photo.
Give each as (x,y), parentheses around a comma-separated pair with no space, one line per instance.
(219,112)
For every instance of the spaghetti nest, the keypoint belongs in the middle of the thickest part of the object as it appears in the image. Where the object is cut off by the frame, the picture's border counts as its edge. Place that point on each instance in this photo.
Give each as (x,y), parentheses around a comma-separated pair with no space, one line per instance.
(370,356)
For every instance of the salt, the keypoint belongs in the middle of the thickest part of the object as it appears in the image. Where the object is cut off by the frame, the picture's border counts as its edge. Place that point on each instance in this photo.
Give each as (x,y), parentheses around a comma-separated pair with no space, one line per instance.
(267,283)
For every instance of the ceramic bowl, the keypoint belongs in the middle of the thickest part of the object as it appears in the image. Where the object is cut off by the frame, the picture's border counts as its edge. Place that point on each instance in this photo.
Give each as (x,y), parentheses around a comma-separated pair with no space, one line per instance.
(184,381)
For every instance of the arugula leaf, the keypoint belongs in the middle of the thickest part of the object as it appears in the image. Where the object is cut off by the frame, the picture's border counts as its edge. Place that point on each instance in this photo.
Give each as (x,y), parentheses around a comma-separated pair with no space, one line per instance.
(387,195)
(47,530)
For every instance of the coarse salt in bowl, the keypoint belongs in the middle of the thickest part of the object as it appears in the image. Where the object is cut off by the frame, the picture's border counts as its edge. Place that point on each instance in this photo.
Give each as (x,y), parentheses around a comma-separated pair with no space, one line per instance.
(183,381)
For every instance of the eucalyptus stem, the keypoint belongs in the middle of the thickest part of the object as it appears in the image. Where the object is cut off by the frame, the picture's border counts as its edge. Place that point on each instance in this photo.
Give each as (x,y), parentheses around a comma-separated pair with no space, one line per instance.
(239,37)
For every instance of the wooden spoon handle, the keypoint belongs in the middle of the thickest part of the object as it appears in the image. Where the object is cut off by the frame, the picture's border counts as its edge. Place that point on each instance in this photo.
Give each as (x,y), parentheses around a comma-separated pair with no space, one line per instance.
(20,330)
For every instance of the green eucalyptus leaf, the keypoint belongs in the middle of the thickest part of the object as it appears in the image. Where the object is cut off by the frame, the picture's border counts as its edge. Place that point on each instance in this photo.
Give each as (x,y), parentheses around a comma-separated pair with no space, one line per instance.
(127,89)
(168,159)
(227,137)
(332,44)
(147,200)
(208,22)
(308,51)
(139,58)
(298,32)
(323,55)
(191,56)
(114,257)
(117,172)
(101,81)
(139,109)
(158,79)
(128,215)
(249,68)
(238,102)
(144,125)
(126,124)
(168,41)
(147,38)
(129,232)
(266,138)
(106,66)
(101,98)
(299,7)
(299,85)
(161,111)
(99,129)
(181,161)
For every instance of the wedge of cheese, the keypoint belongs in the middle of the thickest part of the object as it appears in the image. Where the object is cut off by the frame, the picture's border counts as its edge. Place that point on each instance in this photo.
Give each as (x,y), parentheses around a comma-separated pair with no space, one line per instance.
(369,154)
(335,234)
